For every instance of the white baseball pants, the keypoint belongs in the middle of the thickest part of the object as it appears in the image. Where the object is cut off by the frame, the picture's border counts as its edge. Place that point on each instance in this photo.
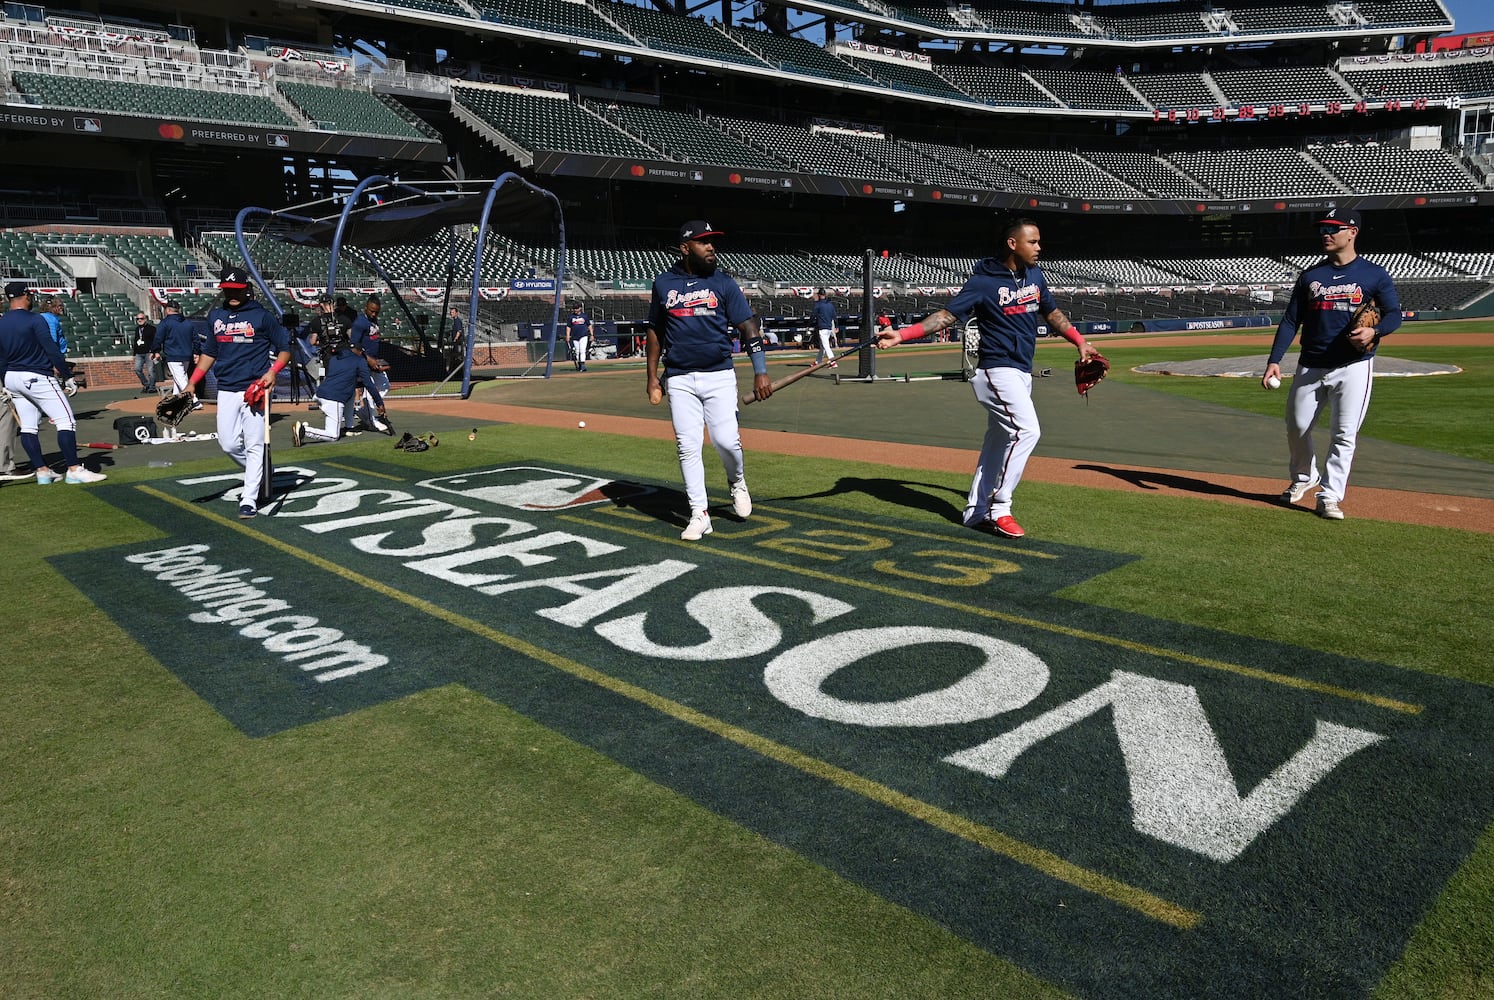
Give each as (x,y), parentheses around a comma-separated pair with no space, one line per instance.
(178,372)
(331,429)
(825,353)
(700,401)
(241,435)
(1346,393)
(34,395)
(1012,433)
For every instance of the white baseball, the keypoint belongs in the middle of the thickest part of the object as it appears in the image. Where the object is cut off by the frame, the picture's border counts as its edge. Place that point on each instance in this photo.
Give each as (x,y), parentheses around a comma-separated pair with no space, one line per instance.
(1273,382)
(581,424)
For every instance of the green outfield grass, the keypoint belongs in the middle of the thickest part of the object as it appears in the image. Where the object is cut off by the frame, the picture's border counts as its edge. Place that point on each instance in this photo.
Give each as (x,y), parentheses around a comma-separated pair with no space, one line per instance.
(444,845)
(1439,412)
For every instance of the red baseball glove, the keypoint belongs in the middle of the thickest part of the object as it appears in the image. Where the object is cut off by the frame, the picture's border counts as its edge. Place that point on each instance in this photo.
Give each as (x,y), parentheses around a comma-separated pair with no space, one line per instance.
(1088,372)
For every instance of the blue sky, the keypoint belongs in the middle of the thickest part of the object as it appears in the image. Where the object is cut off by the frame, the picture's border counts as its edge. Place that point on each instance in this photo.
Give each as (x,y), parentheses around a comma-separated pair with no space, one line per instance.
(1471,15)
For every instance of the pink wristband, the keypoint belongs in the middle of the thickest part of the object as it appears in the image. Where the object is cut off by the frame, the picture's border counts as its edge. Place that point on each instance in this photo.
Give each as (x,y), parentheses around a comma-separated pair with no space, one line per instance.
(195,377)
(275,368)
(908,333)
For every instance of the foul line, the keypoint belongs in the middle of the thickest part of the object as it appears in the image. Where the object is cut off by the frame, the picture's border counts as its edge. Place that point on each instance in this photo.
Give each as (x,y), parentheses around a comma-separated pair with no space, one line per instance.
(1285,680)
(1046,862)
(364,472)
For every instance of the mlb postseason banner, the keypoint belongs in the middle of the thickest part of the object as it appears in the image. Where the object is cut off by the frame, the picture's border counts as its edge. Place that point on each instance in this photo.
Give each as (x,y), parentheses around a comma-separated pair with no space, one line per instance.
(913,706)
(181,131)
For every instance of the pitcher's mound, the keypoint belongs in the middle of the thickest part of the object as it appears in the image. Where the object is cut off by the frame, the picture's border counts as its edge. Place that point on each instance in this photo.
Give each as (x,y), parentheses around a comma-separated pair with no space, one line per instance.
(1255,365)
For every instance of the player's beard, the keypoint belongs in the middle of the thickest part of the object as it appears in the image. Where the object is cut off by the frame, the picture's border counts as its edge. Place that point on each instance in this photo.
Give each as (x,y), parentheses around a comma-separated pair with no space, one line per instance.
(700,265)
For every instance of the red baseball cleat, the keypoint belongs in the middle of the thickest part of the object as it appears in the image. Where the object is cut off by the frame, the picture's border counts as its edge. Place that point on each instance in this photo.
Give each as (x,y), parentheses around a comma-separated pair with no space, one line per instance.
(1008,526)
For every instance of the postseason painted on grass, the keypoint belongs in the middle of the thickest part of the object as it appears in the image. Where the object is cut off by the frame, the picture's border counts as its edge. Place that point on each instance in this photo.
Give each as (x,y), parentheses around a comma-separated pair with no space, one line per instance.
(859,691)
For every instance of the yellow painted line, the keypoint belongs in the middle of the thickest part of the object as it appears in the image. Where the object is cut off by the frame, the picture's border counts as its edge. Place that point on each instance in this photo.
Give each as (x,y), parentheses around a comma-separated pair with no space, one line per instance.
(1046,862)
(848,522)
(1255,673)
(363,472)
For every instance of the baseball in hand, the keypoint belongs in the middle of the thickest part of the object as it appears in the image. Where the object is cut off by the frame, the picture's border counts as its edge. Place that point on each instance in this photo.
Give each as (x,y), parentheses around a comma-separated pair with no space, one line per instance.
(1273,382)
(581,423)
(655,396)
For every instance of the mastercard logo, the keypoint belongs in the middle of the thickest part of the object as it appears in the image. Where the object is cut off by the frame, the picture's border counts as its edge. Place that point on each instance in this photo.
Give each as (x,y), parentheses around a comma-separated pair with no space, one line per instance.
(1084,206)
(866,189)
(936,195)
(1421,201)
(636,170)
(1200,208)
(168,130)
(1032,203)
(734,178)
(1280,206)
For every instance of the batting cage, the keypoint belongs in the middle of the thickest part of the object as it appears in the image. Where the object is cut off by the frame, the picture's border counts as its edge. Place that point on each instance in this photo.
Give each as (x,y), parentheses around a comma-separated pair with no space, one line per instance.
(440,255)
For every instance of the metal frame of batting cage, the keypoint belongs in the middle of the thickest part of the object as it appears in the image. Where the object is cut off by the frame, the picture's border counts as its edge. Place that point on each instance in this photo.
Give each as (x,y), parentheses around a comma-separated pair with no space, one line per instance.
(866,370)
(394,213)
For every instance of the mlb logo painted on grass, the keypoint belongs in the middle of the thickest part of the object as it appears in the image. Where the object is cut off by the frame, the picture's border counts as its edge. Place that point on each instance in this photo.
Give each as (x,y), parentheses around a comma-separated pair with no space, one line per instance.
(1075,788)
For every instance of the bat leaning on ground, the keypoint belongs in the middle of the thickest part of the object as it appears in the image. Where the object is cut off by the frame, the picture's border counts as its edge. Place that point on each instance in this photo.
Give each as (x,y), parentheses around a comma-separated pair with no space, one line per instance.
(268,473)
(101,444)
(789,380)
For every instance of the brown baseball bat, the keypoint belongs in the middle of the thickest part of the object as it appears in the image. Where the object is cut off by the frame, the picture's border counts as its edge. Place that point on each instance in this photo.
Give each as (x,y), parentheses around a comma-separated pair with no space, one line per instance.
(789,380)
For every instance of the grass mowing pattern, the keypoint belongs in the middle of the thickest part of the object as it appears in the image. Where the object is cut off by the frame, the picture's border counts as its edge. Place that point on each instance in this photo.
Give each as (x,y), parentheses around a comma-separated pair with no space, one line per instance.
(387,853)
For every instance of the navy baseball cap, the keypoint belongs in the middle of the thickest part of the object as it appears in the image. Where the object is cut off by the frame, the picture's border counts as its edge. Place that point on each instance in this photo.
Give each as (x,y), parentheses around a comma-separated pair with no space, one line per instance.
(697,229)
(16,289)
(1340,217)
(234,277)
(173,305)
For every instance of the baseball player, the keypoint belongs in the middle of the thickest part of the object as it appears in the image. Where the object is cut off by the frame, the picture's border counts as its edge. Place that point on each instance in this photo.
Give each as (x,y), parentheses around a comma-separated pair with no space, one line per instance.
(578,334)
(1006,293)
(32,364)
(345,371)
(173,343)
(365,344)
(1336,365)
(690,322)
(243,336)
(824,326)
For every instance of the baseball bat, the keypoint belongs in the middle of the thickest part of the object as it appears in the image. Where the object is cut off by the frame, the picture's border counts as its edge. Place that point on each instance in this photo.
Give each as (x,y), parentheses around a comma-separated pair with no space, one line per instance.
(101,444)
(268,473)
(789,380)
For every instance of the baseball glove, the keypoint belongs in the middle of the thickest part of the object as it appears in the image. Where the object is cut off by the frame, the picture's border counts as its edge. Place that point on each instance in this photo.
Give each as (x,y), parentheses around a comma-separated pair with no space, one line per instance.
(416,444)
(254,394)
(1368,314)
(1088,372)
(172,410)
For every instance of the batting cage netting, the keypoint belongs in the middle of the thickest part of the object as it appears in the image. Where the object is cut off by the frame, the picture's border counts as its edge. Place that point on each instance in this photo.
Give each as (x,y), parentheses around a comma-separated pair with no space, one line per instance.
(440,256)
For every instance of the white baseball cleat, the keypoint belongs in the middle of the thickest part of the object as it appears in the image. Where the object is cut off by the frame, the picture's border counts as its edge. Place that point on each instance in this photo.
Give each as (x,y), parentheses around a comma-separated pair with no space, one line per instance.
(1296,491)
(698,528)
(1328,507)
(82,475)
(741,500)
